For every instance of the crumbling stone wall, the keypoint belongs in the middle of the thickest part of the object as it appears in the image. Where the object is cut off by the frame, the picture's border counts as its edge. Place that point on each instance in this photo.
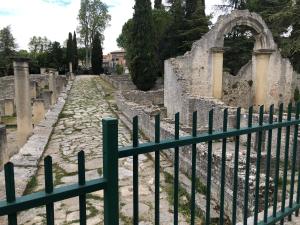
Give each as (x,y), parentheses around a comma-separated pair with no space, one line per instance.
(191,75)
(146,115)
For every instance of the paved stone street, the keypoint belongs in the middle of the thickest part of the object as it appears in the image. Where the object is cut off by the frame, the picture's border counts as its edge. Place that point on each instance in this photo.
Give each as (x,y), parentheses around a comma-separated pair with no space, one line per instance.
(79,128)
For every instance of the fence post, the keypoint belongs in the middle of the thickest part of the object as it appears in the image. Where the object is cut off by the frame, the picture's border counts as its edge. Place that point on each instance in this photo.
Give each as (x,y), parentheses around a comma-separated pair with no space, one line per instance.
(110,171)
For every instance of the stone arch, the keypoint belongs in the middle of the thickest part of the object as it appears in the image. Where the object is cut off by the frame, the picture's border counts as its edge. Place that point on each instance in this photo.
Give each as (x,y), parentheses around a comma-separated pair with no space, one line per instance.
(264,46)
(192,76)
(225,24)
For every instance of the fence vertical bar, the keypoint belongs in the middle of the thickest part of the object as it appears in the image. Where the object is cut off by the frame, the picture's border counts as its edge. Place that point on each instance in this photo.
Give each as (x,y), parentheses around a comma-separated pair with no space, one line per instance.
(209,161)
(49,189)
(223,168)
(157,169)
(277,163)
(176,168)
(110,171)
(295,145)
(81,181)
(258,160)
(236,166)
(247,173)
(269,148)
(194,155)
(135,143)
(286,158)
(10,190)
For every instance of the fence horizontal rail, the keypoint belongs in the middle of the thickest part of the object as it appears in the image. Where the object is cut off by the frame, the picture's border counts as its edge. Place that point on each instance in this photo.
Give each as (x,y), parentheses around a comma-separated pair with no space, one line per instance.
(281,215)
(189,140)
(41,198)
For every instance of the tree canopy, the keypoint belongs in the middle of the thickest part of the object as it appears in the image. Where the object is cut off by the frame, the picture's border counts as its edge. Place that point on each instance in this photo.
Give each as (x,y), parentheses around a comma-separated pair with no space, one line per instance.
(7,50)
(93,18)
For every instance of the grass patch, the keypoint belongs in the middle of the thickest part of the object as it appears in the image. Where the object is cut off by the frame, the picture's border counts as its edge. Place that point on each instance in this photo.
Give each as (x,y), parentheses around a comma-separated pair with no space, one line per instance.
(184,206)
(9,120)
(32,184)
(100,171)
(126,220)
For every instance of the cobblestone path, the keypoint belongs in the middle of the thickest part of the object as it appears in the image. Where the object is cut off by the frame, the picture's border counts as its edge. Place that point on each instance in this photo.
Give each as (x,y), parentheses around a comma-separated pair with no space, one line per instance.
(79,128)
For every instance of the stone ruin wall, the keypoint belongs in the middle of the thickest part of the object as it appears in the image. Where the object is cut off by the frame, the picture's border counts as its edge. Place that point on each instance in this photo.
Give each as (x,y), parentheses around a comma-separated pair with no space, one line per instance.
(130,107)
(191,75)
(39,84)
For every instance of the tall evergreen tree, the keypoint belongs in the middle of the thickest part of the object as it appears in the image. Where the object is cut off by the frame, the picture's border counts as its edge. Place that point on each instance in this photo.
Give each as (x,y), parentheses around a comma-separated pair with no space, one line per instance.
(75,52)
(158,4)
(97,56)
(69,49)
(195,24)
(190,7)
(143,61)
(170,45)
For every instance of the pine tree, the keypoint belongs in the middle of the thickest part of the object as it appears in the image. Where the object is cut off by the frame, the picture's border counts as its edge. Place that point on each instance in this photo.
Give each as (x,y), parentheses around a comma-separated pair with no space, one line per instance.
(97,57)
(75,52)
(69,49)
(143,59)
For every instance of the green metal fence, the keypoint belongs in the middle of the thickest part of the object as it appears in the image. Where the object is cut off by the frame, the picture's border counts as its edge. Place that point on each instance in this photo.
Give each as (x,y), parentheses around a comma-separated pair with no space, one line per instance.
(112,153)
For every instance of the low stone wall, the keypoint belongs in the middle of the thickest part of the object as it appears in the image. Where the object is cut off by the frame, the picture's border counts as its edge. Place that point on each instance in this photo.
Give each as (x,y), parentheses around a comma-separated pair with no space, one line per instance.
(123,82)
(145,98)
(146,124)
(3,146)
(28,158)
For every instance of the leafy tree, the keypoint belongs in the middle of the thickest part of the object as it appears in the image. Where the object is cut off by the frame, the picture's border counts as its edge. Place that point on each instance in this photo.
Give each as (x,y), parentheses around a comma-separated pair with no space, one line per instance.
(119,69)
(279,17)
(38,44)
(7,50)
(93,18)
(55,56)
(97,55)
(75,52)
(238,46)
(123,40)
(143,58)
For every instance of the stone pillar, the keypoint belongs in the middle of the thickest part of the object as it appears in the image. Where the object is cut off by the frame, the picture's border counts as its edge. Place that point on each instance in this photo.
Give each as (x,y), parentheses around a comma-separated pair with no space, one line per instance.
(52,87)
(262,58)
(70,67)
(9,107)
(38,111)
(46,97)
(33,87)
(3,146)
(23,100)
(217,72)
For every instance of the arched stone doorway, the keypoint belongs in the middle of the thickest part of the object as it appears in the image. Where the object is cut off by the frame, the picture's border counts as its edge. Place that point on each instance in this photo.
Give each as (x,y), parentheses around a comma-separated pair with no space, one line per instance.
(198,74)
(263,48)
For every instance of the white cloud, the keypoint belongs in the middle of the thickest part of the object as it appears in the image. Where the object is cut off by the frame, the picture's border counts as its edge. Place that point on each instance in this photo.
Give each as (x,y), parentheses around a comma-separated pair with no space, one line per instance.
(41,18)
(55,18)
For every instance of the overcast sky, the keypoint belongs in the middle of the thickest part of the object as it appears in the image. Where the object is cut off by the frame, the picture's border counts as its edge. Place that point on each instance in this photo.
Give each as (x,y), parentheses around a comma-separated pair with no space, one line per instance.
(55,18)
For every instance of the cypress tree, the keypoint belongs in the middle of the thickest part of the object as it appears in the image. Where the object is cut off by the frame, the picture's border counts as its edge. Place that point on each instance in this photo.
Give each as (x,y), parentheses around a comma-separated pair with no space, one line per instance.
(195,24)
(97,57)
(75,52)
(190,7)
(158,4)
(69,49)
(143,59)
(170,46)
